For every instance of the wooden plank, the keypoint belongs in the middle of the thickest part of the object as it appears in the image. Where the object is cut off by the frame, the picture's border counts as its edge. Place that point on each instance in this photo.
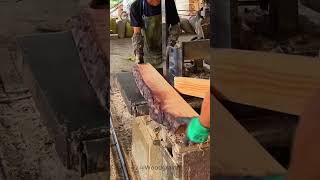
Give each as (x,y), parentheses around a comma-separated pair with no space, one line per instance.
(10,77)
(192,86)
(165,104)
(268,80)
(235,151)
(196,49)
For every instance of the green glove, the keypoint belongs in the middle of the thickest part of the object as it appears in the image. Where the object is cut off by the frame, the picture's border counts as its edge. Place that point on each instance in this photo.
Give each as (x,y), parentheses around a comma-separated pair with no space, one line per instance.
(196,133)
(275,178)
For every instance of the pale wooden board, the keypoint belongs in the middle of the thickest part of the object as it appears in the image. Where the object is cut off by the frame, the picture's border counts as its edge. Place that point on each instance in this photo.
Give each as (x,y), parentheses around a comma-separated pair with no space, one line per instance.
(268,80)
(192,86)
(10,77)
(235,151)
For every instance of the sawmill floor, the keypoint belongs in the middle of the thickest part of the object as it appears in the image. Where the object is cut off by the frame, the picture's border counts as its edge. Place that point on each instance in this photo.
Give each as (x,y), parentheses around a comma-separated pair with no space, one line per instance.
(121,50)
(27,151)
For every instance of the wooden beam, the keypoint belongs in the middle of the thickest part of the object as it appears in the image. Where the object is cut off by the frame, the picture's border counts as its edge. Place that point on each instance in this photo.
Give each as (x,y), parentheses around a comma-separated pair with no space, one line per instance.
(165,104)
(192,86)
(235,151)
(267,80)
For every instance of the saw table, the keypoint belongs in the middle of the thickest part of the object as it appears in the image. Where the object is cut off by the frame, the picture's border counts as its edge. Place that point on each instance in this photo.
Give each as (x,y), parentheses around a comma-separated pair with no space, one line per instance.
(67,103)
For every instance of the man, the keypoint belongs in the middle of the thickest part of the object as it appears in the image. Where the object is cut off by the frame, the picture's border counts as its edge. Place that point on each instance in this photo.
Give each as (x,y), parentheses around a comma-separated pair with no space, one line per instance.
(145,17)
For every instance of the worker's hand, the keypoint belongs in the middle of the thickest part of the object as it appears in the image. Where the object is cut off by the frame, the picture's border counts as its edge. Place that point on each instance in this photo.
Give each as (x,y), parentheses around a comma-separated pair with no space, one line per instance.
(196,132)
(174,33)
(138,44)
(139,59)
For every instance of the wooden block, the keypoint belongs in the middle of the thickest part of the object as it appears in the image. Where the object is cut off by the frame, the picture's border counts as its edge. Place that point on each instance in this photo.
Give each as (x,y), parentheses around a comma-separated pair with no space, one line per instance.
(267,80)
(162,159)
(145,150)
(192,86)
(165,104)
(235,151)
(196,164)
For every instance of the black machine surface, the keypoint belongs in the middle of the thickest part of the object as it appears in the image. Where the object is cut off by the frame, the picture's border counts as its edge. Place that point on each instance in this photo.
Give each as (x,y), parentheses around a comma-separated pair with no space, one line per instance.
(66,101)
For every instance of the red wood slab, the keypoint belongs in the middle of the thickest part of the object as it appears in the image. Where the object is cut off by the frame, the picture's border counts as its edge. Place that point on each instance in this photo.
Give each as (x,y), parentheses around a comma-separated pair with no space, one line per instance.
(165,104)
(90,33)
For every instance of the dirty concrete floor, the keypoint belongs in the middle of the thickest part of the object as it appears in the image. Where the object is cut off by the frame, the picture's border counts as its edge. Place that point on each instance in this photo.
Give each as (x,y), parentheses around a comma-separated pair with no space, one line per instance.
(27,151)
(120,51)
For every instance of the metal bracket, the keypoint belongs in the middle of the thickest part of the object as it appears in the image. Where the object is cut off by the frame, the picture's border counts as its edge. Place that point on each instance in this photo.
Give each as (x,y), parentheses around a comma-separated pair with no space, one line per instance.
(175,63)
(164,40)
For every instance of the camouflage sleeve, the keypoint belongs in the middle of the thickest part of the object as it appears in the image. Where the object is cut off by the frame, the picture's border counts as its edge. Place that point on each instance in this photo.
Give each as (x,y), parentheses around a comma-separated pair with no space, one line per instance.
(138,44)
(174,33)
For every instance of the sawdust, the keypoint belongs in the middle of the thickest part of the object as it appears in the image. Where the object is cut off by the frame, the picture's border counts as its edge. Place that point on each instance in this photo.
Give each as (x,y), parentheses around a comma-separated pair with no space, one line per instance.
(114,165)
(122,119)
(27,151)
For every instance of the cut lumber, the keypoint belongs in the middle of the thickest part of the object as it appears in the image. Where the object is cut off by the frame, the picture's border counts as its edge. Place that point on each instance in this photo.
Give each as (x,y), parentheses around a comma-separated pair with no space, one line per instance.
(192,86)
(236,152)
(165,104)
(272,81)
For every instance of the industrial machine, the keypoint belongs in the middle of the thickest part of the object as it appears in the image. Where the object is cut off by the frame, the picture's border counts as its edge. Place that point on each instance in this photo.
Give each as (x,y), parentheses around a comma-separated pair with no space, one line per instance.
(66,101)
(282,20)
